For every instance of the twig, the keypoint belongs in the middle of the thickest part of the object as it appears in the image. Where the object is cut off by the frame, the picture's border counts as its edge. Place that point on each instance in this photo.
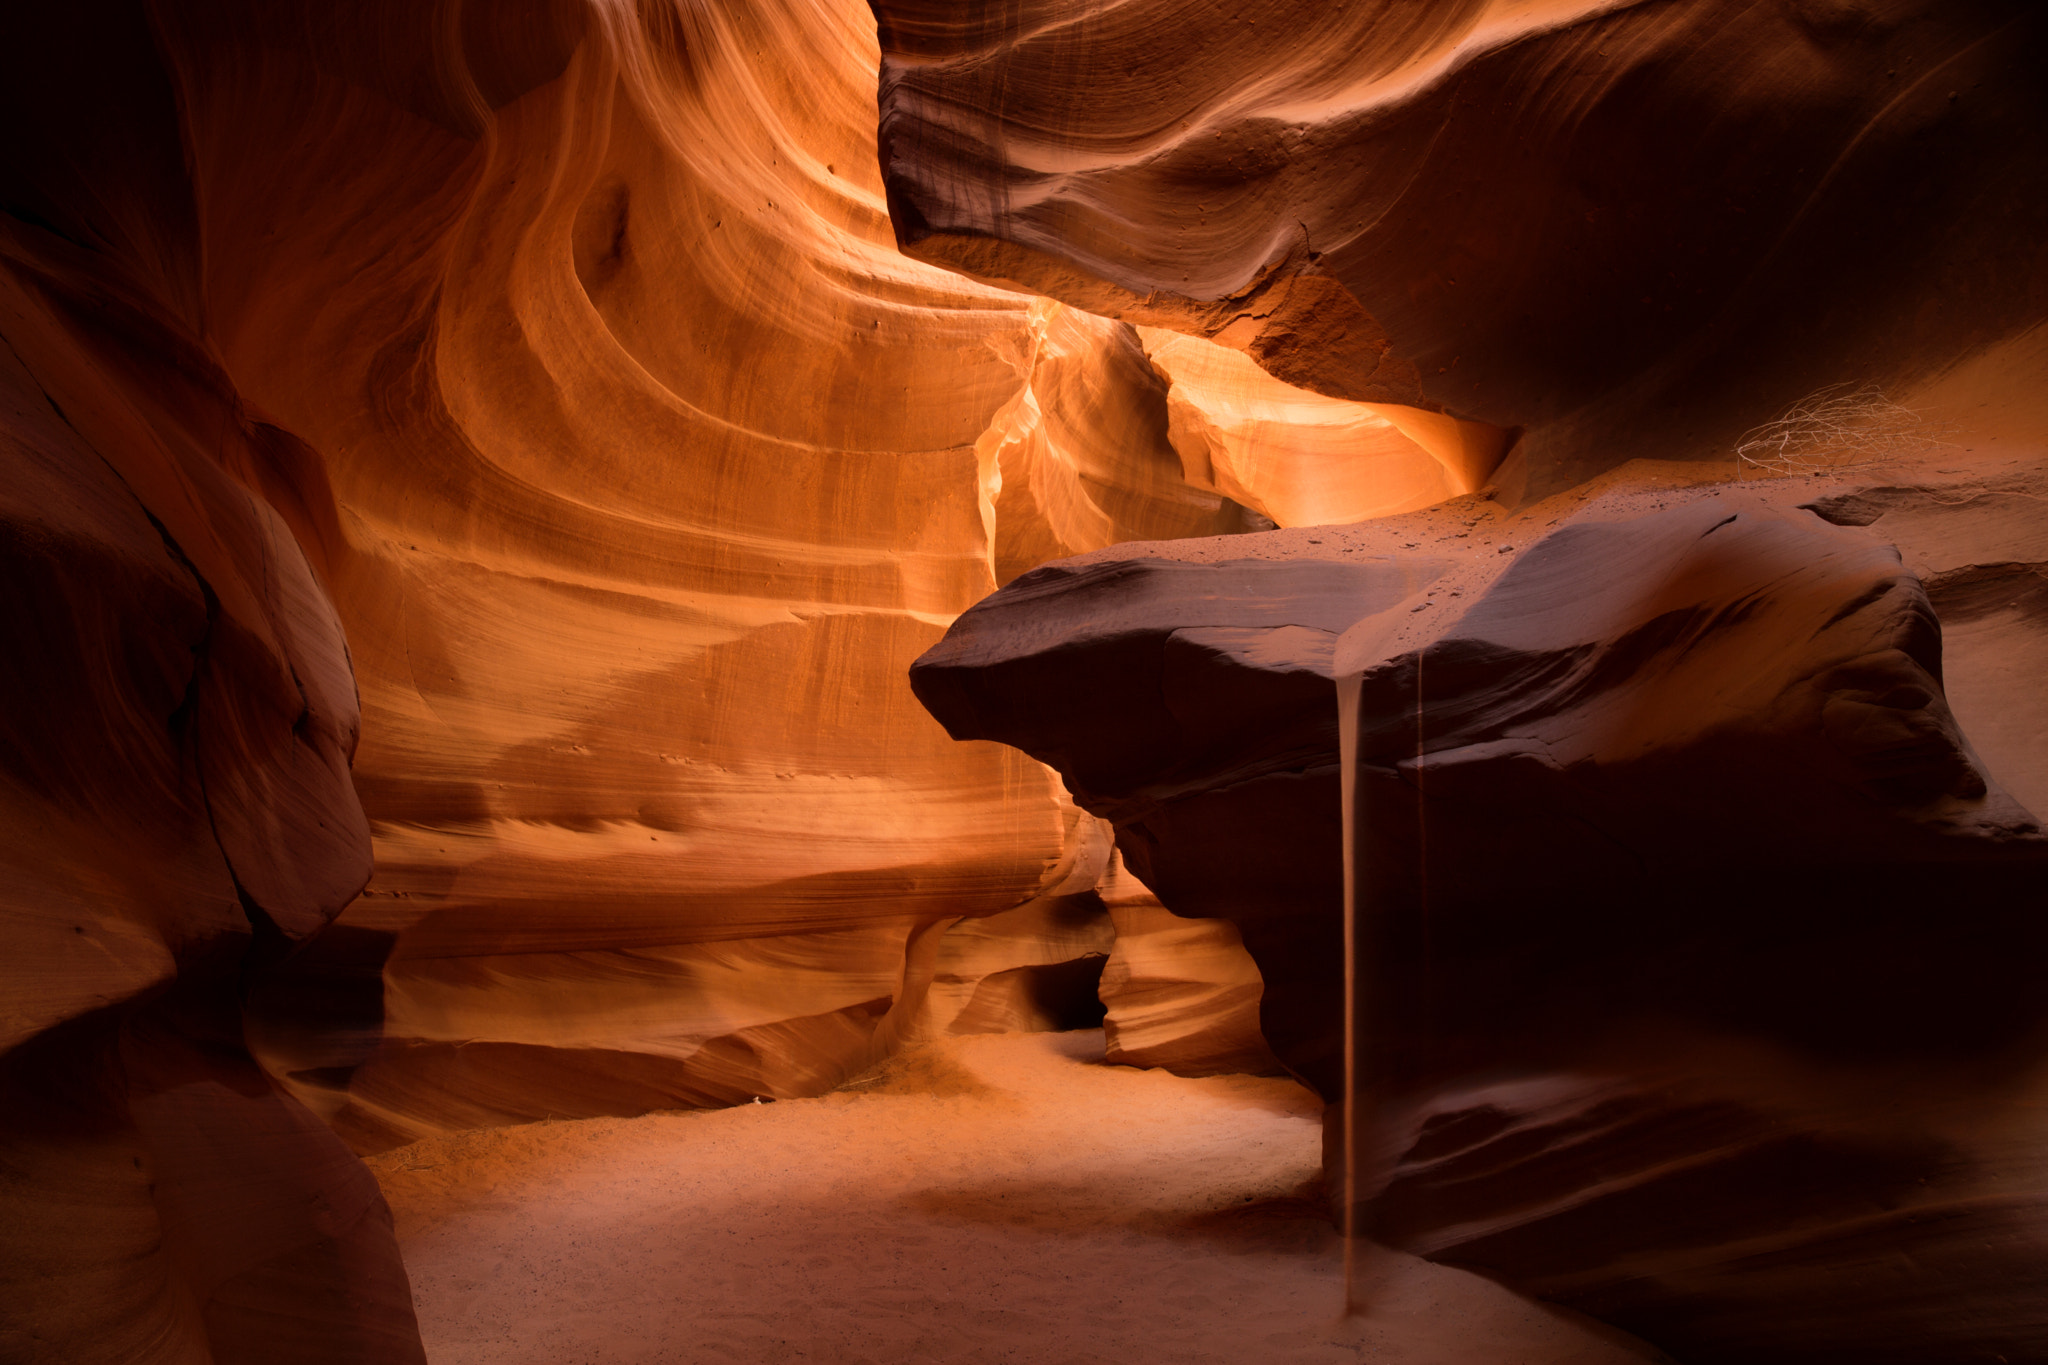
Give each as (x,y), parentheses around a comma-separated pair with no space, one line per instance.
(1838,427)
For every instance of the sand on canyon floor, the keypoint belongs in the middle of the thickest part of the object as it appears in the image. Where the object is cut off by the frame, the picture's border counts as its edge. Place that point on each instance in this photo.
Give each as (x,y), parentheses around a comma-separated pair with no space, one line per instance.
(998,1198)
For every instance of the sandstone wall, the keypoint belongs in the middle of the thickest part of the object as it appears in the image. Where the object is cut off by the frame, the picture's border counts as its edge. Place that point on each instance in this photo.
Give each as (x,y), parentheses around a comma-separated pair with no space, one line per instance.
(1628,229)
(500,446)
(496,454)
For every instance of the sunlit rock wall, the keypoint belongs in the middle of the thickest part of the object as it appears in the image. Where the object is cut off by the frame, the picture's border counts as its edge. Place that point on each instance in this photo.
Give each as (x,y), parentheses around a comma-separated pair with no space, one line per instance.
(527,406)
(652,464)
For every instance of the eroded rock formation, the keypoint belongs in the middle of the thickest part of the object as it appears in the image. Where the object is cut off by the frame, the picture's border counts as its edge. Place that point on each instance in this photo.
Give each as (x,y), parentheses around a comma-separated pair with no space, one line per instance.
(1622,227)
(497,452)
(528,403)
(1697,938)
(1299,458)
(1204,732)
(1696,943)
(179,720)
(1716,869)
(657,465)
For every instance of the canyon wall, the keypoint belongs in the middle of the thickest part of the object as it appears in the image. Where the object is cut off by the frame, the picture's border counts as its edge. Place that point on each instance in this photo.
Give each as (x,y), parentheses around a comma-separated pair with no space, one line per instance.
(1625,227)
(179,719)
(494,458)
(495,454)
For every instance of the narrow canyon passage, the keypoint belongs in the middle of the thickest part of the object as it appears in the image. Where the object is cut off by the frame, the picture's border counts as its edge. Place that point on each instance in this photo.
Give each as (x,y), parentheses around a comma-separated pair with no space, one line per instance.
(1003,1197)
(623,620)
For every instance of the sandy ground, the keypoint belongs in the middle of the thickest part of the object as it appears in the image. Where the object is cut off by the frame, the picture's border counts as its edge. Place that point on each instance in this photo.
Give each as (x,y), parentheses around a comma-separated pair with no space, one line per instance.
(1003,1198)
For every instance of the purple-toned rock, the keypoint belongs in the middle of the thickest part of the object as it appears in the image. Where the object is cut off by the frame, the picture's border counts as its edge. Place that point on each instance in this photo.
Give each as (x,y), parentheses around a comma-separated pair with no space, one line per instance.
(1695,946)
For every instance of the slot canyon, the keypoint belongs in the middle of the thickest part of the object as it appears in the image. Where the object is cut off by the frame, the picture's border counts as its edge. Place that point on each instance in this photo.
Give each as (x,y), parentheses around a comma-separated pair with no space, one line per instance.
(1053,681)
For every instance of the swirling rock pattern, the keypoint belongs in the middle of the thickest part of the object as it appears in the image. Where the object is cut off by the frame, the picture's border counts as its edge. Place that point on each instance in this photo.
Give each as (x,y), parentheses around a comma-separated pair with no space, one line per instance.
(655,465)
(1626,228)
(496,450)
(526,403)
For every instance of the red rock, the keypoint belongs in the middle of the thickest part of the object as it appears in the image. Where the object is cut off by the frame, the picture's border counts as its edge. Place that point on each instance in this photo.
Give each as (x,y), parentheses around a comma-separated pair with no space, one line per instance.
(504,452)
(1692,928)
(1621,228)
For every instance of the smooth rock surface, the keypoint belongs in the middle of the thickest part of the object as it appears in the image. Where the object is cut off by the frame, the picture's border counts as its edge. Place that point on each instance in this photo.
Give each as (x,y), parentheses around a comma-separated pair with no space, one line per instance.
(501,439)
(981,1199)
(177,717)
(1153,685)
(496,450)
(351,372)
(1626,229)
(1695,935)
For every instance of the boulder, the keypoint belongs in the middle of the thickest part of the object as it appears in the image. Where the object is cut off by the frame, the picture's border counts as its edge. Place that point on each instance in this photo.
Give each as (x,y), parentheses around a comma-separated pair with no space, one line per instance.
(1694,943)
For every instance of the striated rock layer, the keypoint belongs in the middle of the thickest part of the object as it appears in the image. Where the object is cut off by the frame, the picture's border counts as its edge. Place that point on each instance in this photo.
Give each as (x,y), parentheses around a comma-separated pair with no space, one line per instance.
(1627,228)
(655,465)
(496,452)
(524,403)
(1697,941)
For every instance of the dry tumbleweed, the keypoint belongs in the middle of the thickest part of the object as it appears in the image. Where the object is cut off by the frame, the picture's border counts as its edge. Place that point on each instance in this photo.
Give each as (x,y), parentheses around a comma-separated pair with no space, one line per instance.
(1835,428)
